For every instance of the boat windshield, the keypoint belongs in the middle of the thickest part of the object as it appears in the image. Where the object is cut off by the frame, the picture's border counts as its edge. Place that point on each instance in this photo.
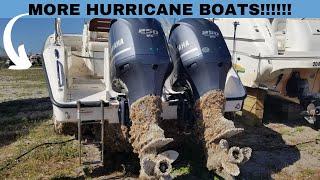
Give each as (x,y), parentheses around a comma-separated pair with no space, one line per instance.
(100,25)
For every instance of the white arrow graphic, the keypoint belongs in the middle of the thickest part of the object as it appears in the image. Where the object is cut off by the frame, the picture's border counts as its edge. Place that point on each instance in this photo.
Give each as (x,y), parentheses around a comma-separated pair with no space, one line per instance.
(21,59)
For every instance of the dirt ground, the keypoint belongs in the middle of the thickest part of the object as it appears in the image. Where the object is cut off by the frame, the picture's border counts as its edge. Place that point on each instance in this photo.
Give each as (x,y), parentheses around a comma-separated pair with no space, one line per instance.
(282,149)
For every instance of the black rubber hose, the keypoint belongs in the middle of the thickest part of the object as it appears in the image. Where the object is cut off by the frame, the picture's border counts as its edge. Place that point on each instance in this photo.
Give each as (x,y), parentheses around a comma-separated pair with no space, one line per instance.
(30,150)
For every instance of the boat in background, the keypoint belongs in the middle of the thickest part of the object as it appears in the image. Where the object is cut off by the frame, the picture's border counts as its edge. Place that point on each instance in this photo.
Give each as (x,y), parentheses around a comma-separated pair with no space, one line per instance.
(279,56)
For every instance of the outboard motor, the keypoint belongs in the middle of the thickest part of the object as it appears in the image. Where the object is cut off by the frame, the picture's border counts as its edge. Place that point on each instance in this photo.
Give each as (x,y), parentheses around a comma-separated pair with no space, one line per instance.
(200,55)
(201,63)
(139,56)
(140,60)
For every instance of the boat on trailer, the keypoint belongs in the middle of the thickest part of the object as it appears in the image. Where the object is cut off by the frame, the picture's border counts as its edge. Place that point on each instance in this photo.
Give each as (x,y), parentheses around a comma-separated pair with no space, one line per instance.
(279,56)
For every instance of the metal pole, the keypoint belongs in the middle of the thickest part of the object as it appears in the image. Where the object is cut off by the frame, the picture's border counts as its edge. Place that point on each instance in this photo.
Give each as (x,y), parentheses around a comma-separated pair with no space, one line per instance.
(235,24)
(58,32)
(79,129)
(102,131)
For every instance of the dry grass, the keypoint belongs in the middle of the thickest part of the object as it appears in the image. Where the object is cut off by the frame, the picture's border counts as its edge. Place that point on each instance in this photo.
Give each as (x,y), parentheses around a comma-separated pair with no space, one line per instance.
(25,122)
(22,84)
(47,161)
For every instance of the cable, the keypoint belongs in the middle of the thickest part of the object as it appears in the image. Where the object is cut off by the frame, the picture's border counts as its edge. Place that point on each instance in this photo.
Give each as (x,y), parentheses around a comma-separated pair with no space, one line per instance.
(35,147)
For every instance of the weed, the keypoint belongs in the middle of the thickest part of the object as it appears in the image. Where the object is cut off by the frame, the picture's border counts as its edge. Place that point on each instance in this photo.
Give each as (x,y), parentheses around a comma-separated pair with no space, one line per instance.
(185,170)
(299,129)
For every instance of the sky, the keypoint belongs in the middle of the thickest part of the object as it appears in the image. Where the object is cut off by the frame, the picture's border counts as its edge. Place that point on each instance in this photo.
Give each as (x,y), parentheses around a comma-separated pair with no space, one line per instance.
(33,32)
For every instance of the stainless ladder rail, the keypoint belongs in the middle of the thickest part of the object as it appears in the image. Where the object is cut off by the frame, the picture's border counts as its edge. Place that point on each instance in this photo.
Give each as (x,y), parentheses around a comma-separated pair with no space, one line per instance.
(81,123)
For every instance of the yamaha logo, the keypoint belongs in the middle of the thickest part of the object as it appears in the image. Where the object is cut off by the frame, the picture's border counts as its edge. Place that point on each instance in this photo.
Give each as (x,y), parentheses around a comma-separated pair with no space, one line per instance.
(150,33)
(117,44)
(183,45)
(210,34)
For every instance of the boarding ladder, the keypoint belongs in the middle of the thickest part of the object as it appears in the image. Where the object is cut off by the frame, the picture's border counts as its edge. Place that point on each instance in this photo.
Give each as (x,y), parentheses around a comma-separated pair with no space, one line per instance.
(82,123)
